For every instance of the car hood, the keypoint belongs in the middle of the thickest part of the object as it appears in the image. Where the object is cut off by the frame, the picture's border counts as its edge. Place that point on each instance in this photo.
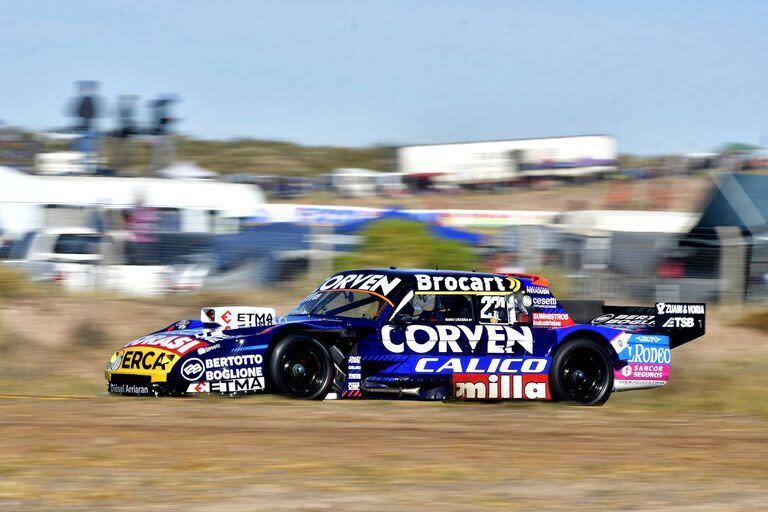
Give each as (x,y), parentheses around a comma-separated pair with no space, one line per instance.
(311,321)
(157,354)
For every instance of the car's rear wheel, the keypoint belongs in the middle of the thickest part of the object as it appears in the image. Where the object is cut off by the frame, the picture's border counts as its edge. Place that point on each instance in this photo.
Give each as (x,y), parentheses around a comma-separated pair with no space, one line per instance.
(301,367)
(581,372)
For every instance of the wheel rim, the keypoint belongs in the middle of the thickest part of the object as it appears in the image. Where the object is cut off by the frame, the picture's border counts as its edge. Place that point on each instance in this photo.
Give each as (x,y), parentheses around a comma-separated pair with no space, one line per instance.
(584,375)
(303,370)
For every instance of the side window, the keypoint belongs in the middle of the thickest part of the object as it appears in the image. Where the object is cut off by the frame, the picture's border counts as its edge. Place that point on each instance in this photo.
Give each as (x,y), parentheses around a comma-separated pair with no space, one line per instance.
(493,309)
(504,309)
(431,308)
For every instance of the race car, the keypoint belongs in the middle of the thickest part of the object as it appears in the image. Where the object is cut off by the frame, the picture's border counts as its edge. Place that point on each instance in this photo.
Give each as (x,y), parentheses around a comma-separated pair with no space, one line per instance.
(414,334)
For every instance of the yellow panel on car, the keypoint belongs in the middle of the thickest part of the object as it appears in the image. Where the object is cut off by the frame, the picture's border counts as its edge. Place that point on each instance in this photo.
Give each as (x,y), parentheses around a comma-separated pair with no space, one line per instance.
(155,362)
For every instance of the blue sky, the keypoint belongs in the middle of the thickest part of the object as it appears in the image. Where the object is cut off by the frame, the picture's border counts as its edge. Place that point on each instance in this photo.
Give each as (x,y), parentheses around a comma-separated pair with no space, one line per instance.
(661,76)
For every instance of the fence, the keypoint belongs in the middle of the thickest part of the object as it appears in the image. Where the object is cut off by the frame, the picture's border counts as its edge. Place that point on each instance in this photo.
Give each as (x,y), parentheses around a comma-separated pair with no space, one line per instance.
(92,248)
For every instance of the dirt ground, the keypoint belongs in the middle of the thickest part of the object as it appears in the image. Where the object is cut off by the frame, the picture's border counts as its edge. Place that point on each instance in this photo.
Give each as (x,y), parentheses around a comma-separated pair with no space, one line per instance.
(701,443)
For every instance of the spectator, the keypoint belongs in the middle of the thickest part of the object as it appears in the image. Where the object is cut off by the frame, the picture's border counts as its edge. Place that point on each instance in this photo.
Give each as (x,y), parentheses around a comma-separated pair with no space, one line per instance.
(142,223)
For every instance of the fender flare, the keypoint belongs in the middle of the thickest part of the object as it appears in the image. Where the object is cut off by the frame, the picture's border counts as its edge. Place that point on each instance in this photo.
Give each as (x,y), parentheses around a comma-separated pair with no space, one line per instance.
(581,333)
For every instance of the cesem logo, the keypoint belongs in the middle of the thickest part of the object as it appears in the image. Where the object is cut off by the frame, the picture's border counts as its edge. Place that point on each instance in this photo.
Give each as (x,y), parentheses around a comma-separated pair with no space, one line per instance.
(226,316)
(192,369)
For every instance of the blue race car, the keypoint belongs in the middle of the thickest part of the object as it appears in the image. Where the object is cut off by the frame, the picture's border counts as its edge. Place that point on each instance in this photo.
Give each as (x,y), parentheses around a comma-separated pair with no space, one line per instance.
(414,334)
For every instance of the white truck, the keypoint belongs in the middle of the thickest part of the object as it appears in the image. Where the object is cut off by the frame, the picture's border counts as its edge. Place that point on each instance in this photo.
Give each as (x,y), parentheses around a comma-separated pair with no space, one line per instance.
(77,259)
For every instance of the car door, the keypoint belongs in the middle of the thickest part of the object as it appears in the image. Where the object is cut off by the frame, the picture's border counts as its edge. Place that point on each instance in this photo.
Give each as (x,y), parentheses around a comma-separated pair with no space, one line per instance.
(506,324)
(430,323)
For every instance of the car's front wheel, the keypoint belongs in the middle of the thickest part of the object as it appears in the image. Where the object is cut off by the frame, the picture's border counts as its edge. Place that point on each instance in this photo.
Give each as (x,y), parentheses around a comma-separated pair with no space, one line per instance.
(301,367)
(581,372)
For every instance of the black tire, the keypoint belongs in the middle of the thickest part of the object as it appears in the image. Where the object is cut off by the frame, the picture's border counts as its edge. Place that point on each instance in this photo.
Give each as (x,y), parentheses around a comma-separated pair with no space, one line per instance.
(581,372)
(301,367)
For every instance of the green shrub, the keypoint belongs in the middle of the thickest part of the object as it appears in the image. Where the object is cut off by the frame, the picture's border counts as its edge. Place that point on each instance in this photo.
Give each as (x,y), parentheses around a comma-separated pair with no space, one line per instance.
(406,244)
(89,334)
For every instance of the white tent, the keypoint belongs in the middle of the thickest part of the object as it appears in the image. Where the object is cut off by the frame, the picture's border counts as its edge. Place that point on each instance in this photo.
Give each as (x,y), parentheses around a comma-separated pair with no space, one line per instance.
(186,171)
(22,196)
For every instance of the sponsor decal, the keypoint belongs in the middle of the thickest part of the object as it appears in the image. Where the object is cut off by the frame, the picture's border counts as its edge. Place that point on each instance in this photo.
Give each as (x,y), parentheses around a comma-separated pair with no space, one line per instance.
(205,350)
(602,319)
(115,361)
(255,319)
(211,337)
(199,387)
(500,387)
(621,342)
(551,319)
(541,297)
(231,367)
(650,338)
(544,302)
(469,284)
(238,385)
(641,353)
(679,322)
(626,385)
(493,308)
(354,372)
(222,362)
(128,389)
(611,319)
(422,339)
(664,308)
(148,360)
(238,317)
(641,371)
(482,364)
(378,283)
(192,369)
(232,373)
(182,324)
(179,345)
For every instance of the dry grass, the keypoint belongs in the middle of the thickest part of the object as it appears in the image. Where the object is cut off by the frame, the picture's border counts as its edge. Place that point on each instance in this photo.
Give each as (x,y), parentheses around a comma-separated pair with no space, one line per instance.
(756,319)
(14,284)
(250,453)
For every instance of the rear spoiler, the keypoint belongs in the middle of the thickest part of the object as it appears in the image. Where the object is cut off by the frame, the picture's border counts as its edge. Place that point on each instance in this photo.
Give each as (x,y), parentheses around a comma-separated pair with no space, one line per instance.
(682,322)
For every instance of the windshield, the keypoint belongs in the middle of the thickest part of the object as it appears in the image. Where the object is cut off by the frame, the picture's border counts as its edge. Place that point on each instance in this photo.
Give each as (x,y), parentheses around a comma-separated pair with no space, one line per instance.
(77,244)
(348,304)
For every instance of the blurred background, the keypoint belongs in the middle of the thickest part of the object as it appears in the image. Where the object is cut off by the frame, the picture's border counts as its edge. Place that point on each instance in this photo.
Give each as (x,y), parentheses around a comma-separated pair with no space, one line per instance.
(157,158)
